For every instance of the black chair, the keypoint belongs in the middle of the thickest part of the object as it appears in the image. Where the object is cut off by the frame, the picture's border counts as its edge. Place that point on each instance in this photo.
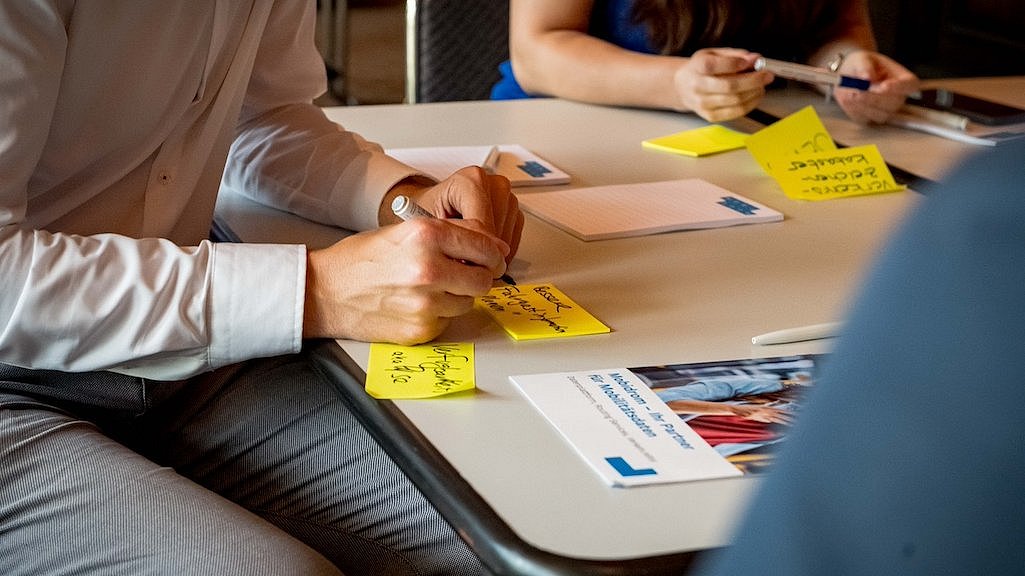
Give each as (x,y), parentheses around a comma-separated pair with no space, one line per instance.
(332,37)
(454,47)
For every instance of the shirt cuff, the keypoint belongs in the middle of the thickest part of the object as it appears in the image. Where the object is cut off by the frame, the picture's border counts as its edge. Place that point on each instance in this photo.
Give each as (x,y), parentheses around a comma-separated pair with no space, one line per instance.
(257,292)
(357,195)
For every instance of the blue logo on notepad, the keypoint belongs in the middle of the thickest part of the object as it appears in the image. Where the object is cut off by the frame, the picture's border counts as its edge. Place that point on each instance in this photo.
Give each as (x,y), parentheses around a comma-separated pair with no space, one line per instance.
(533,168)
(626,469)
(738,205)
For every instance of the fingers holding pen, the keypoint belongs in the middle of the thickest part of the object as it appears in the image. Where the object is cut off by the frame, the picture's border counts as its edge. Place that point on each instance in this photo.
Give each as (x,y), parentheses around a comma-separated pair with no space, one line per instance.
(718,83)
(473,194)
(508,218)
(403,283)
(454,249)
(399,283)
(891,83)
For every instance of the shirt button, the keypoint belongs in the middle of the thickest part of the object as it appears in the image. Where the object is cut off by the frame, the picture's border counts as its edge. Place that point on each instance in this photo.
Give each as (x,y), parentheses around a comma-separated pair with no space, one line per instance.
(166,178)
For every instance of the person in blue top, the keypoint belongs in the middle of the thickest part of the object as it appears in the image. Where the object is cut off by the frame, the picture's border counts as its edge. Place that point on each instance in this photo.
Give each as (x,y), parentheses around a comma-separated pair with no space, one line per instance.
(693,55)
(909,455)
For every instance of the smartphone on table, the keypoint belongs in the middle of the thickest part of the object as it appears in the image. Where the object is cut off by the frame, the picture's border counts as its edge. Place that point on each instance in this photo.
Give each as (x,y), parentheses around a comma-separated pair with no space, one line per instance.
(975,109)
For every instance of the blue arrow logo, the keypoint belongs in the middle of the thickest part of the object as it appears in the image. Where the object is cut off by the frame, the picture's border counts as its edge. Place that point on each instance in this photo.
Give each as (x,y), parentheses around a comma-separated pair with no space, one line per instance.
(626,469)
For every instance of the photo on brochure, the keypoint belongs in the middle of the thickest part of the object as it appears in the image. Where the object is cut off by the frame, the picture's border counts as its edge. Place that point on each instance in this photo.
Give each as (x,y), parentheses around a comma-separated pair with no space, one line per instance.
(742,408)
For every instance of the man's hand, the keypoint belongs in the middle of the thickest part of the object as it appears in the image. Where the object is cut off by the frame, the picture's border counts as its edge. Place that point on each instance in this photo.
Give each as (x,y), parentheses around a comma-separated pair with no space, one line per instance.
(404,283)
(401,283)
(469,194)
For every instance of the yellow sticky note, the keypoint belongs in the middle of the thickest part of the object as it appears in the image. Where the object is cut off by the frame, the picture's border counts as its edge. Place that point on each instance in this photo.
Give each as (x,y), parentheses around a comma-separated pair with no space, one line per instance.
(702,141)
(422,371)
(836,174)
(800,133)
(529,312)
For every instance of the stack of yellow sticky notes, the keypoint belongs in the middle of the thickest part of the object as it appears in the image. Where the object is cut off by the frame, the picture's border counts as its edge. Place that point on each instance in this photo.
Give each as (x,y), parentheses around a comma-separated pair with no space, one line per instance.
(797,152)
(702,141)
(801,156)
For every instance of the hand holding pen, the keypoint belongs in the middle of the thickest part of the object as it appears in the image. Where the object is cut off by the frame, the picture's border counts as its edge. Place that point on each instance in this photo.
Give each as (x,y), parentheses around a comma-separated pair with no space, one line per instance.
(473,194)
(876,85)
(406,209)
(717,84)
(403,284)
(400,284)
(891,85)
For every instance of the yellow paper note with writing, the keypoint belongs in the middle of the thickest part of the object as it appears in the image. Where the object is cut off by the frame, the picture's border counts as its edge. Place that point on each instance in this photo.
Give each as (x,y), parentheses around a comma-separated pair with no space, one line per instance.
(422,371)
(532,311)
(836,174)
(702,141)
(800,133)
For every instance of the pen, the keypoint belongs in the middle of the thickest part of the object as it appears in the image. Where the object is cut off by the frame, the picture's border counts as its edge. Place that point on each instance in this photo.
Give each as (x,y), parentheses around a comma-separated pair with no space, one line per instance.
(490,164)
(810,74)
(950,119)
(799,334)
(404,207)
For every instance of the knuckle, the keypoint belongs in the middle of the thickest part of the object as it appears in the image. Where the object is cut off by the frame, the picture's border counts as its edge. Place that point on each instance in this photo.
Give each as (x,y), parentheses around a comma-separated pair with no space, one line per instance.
(421,305)
(414,334)
(420,330)
(421,273)
(423,230)
(469,176)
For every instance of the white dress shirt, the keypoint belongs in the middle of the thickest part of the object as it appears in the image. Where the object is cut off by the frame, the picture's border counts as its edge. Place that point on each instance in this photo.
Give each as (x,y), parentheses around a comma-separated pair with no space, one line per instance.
(118,121)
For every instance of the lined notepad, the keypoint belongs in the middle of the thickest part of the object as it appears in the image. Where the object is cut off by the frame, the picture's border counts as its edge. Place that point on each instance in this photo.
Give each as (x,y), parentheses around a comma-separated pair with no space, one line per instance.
(521,166)
(617,211)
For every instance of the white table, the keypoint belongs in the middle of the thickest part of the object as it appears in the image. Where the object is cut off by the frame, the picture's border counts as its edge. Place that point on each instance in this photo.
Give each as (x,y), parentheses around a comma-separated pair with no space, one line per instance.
(488,460)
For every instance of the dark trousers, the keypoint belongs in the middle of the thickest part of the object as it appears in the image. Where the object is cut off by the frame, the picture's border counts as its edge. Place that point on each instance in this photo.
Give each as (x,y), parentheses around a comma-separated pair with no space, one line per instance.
(254,469)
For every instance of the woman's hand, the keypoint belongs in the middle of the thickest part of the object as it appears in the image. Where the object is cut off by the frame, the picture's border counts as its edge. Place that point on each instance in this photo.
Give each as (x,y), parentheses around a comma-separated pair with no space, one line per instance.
(720,84)
(891,84)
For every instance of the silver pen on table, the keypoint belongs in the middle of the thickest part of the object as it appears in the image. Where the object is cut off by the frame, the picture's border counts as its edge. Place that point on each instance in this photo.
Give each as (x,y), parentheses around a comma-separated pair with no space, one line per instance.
(490,164)
(798,334)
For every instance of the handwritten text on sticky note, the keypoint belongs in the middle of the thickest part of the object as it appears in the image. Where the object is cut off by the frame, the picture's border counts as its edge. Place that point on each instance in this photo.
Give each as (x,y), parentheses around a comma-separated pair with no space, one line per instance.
(800,133)
(422,371)
(836,174)
(534,311)
(802,157)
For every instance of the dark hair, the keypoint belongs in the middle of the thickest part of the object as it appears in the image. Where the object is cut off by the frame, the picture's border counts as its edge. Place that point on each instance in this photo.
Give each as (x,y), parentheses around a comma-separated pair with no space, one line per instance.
(790,29)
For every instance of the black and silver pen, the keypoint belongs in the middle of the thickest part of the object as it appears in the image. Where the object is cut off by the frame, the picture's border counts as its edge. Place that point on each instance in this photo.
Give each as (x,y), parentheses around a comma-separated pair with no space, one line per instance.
(404,207)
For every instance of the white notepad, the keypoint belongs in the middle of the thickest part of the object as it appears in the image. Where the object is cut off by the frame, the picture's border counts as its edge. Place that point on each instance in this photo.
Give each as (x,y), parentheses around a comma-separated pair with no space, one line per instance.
(521,166)
(617,211)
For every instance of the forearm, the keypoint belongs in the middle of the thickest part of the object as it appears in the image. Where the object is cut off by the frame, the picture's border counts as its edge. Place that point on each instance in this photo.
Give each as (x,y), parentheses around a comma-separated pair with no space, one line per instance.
(295,159)
(287,153)
(572,65)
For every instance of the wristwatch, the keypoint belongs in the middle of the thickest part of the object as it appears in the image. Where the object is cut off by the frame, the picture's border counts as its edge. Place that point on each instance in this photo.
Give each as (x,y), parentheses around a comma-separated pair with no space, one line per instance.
(834,66)
(835,63)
